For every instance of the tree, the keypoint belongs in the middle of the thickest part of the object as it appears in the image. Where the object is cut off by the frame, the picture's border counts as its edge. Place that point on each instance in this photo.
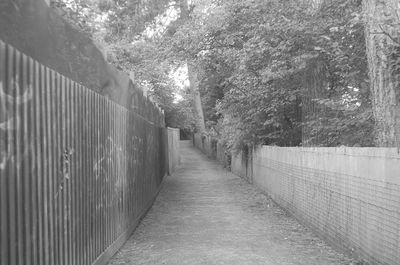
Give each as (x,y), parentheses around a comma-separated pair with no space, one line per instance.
(263,72)
(190,61)
(264,53)
(119,27)
(383,49)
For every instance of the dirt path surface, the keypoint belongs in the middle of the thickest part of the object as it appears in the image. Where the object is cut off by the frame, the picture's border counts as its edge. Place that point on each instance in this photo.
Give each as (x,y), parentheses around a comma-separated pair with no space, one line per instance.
(205,215)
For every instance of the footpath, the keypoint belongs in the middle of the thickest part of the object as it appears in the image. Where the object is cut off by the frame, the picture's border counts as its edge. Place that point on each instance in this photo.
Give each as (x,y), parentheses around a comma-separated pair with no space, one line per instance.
(206,215)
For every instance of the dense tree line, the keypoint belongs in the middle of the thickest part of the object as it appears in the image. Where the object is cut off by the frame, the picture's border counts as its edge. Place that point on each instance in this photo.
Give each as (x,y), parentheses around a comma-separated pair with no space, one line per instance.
(288,73)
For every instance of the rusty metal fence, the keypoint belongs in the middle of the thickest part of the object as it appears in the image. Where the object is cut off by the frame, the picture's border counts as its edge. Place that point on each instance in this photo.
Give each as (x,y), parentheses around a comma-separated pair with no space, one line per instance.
(77,171)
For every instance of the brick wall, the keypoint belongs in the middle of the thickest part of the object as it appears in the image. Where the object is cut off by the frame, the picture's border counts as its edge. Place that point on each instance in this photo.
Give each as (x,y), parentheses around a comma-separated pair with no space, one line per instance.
(349,196)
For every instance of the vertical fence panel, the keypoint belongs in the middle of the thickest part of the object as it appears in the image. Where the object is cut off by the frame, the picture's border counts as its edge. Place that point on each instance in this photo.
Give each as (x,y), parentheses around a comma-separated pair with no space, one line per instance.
(71,171)
(119,166)
(49,199)
(63,186)
(95,203)
(80,172)
(102,176)
(95,177)
(33,174)
(4,247)
(25,94)
(38,142)
(89,184)
(18,157)
(138,170)
(110,174)
(92,189)
(51,173)
(56,133)
(77,171)
(117,185)
(105,170)
(113,173)
(66,169)
(140,165)
(10,170)
(85,201)
(105,174)
(98,178)
(45,183)
(114,142)
(99,199)
(60,178)
(78,175)
(89,172)
(108,170)
(57,175)
(74,176)
(128,173)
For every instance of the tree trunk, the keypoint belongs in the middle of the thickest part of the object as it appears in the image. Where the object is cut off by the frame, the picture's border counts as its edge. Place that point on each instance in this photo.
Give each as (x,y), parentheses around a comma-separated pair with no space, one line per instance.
(192,73)
(194,85)
(384,85)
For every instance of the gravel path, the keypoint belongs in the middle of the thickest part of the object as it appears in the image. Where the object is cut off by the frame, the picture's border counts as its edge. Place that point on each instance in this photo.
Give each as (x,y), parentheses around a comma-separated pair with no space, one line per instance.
(205,215)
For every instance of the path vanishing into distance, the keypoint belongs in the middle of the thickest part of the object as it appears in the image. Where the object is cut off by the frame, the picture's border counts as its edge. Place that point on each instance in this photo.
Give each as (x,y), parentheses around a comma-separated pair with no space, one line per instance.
(206,215)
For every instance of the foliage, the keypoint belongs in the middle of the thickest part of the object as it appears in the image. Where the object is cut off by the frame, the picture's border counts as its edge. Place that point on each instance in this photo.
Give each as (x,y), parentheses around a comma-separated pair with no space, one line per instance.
(118,26)
(80,14)
(128,18)
(152,71)
(121,19)
(258,57)
(272,72)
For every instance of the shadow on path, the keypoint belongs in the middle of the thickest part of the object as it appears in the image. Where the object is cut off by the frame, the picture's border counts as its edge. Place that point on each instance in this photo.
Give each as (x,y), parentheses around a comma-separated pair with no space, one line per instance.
(205,215)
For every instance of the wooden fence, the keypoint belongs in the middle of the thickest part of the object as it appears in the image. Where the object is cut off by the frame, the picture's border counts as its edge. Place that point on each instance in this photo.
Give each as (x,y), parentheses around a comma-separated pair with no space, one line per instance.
(77,171)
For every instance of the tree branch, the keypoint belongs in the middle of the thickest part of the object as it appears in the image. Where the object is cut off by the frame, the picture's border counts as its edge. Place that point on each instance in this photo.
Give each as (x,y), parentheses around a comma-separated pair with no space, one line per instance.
(386,34)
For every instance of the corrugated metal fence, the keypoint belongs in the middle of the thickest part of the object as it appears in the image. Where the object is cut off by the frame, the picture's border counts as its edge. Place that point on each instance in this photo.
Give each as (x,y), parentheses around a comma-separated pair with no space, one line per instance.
(77,171)
(174,158)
